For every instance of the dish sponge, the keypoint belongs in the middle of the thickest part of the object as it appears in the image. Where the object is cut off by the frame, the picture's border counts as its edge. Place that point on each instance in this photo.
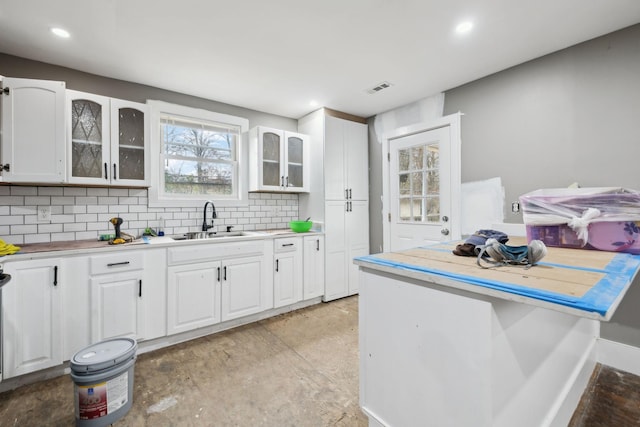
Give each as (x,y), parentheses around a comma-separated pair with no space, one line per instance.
(7,248)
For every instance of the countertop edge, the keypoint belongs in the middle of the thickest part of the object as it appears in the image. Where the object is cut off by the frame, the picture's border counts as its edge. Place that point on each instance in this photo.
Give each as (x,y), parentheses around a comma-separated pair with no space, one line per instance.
(104,247)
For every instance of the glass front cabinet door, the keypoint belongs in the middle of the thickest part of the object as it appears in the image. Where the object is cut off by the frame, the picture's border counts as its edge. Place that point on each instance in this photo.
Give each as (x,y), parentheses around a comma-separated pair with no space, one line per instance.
(108,140)
(279,160)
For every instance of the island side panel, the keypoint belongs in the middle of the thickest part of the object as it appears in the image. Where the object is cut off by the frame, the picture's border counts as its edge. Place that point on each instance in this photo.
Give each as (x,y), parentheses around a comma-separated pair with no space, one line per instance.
(425,355)
(542,360)
(440,356)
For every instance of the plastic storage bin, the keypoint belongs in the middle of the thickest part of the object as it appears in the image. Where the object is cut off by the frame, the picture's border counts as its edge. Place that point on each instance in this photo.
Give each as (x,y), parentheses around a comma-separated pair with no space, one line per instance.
(603,218)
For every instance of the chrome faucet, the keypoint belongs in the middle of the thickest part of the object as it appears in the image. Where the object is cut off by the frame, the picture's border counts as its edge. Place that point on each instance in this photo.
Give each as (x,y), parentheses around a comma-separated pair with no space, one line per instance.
(206,226)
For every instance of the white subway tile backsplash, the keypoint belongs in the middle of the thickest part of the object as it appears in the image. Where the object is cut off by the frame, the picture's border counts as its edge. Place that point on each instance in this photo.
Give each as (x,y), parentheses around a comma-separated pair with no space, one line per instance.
(37,238)
(22,210)
(79,213)
(107,200)
(11,219)
(37,200)
(61,219)
(97,191)
(12,200)
(50,191)
(90,200)
(24,229)
(24,191)
(64,200)
(118,192)
(61,237)
(74,191)
(75,209)
(75,226)
(49,228)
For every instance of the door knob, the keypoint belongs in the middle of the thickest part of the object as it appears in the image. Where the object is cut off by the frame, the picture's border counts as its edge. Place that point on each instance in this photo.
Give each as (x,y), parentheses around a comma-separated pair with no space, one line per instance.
(445,231)
(445,218)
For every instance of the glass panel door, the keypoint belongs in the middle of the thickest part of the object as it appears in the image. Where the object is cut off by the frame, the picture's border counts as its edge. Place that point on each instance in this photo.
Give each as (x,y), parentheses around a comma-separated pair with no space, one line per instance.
(130,144)
(271,159)
(295,164)
(86,139)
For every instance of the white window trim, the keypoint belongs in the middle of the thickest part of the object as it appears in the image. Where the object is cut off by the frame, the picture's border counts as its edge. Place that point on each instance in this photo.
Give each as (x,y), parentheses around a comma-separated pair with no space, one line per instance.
(157,108)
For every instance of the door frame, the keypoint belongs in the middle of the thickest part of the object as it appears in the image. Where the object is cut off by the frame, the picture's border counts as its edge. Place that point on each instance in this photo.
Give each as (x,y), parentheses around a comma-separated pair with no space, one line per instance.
(453,122)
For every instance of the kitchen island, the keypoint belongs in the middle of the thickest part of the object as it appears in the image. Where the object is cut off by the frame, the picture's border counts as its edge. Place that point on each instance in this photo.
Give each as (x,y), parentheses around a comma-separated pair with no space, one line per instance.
(446,343)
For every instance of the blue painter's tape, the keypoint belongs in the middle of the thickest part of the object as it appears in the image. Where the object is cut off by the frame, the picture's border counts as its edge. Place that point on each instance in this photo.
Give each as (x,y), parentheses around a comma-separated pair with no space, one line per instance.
(618,274)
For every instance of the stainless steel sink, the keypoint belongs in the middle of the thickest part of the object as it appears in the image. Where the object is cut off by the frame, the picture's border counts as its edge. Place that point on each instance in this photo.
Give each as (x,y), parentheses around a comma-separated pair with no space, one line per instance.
(198,235)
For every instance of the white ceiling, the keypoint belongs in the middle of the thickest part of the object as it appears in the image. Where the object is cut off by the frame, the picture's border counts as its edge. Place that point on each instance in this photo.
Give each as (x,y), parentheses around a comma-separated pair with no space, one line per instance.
(278,55)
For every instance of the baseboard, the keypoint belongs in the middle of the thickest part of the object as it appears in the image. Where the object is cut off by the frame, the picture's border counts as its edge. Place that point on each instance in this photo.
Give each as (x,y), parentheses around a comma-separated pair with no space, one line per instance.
(619,356)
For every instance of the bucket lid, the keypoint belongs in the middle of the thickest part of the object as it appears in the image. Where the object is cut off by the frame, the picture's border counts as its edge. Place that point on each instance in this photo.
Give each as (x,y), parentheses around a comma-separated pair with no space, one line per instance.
(103,355)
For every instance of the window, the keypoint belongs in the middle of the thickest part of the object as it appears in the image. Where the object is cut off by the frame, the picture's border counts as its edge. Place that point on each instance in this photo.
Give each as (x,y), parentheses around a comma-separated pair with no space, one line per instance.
(200,156)
(419,183)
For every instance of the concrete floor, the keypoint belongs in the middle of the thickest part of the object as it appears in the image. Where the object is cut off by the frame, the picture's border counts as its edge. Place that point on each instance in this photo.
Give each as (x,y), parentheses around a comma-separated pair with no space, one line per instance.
(296,369)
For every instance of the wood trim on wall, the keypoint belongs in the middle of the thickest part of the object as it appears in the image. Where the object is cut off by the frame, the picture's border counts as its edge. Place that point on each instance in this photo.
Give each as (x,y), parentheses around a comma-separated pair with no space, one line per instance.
(345,116)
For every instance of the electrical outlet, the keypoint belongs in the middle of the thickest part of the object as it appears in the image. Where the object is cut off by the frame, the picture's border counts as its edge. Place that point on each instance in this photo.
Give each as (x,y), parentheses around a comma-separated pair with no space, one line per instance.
(44,213)
(515,207)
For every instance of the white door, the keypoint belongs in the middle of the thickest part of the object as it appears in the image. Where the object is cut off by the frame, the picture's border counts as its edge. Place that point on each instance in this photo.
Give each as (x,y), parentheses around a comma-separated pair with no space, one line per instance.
(116,306)
(33,130)
(243,289)
(31,317)
(194,296)
(424,186)
(357,155)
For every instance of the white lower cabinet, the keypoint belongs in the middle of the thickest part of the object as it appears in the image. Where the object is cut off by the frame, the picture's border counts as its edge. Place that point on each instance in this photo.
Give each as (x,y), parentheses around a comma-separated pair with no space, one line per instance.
(193,296)
(287,278)
(244,286)
(313,267)
(117,304)
(54,307)
(32,316)
(212,283)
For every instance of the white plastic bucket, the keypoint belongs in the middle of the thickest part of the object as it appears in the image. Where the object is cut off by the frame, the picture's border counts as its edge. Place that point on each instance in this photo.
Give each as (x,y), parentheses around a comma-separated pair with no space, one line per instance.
(103,381)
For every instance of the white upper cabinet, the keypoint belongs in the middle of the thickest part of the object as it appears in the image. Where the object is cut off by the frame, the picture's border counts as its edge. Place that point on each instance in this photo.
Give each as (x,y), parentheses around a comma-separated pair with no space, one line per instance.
(33,134)
(279,160)
(108,140)
(346,160)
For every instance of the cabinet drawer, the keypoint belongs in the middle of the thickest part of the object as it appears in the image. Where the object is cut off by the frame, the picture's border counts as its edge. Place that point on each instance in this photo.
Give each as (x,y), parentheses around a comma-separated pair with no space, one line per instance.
(287,244)
(207,252)
(115,263)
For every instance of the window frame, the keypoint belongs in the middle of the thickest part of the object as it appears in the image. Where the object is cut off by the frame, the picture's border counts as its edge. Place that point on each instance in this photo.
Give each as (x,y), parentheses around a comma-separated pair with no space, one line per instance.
(157,196)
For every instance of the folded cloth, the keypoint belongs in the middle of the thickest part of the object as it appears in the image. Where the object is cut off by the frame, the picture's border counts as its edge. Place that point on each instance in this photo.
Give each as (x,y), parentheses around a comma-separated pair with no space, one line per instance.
(8,248)
(500,254)
(480,237)
(471,246)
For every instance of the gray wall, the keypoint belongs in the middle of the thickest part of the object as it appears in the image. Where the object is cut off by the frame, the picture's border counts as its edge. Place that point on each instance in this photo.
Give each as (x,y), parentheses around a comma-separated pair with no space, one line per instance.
(12,66)
(572,116)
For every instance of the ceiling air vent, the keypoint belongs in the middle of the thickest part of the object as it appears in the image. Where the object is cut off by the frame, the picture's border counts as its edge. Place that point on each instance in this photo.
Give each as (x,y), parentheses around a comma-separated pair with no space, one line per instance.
(380,86)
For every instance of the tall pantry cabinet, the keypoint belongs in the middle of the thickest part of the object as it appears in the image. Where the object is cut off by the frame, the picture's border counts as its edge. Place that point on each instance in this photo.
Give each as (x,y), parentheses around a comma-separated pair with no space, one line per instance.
(339,195)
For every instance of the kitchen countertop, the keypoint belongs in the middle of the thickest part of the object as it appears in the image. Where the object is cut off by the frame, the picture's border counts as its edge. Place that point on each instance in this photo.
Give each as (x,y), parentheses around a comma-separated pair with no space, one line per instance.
(81,246)
(579,282)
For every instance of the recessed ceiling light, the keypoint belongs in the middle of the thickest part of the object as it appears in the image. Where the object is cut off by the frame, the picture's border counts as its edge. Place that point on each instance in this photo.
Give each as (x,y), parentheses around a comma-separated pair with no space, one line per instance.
(464,27)
(313,103)
(60,32)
